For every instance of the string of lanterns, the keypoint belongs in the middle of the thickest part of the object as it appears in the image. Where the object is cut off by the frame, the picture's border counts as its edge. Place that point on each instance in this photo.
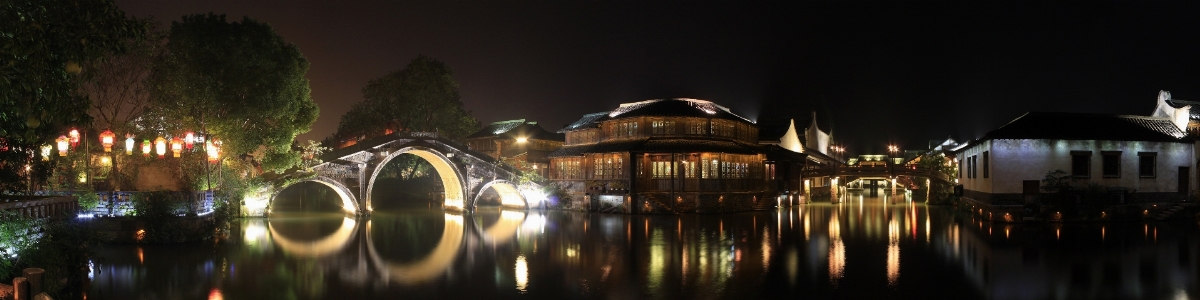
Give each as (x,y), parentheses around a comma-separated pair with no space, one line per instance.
(212,148)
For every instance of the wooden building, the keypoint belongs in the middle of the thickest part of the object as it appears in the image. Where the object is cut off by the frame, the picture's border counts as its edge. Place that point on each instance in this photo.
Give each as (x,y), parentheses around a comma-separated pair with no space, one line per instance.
(668,155)
(522,144)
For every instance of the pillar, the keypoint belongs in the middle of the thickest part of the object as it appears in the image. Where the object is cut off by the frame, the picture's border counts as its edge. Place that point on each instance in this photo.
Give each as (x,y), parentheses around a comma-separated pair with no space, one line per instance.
(34,276)
(21,289)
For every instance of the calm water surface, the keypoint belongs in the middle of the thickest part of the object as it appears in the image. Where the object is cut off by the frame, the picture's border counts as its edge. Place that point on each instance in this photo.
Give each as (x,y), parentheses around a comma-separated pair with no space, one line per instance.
(865,248)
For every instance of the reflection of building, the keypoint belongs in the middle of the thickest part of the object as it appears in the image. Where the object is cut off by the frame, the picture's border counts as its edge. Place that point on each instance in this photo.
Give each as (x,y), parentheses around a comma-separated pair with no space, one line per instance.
(674,155)
(1149,156)
(522,144)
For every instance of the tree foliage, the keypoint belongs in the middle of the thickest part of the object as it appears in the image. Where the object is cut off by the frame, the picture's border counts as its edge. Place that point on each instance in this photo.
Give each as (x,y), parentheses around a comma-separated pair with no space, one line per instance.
(117,86)
(240,82)
(43,46)
(421,97)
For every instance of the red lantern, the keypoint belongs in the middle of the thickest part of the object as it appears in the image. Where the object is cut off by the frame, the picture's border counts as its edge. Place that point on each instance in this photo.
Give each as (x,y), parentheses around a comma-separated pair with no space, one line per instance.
(74,134)
(176,146)
(62,145)
(146,148)
(107,138)
(160,147)
(188,139)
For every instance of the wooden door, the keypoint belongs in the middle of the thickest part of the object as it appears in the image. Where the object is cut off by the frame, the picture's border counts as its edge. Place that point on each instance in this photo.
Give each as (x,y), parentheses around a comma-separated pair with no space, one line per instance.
(1184,178)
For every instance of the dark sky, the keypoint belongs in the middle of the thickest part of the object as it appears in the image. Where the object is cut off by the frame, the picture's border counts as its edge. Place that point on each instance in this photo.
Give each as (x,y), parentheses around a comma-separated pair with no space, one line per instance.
(877,73)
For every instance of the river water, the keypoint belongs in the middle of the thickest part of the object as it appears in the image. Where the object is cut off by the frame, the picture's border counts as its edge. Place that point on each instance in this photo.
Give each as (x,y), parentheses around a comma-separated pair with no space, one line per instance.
(864,248)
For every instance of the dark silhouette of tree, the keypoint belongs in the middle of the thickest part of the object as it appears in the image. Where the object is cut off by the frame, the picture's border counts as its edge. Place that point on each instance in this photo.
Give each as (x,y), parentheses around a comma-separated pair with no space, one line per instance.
(421,97)
(240,82)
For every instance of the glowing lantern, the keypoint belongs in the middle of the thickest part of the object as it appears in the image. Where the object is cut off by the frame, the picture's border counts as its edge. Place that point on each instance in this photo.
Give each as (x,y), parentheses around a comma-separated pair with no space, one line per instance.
(129,144)
(107,138)
(74,134)
(188,139)
(146,148)
(160,147)
(176,146)
(216,150)
(62,144)
(46,152)
(213,152)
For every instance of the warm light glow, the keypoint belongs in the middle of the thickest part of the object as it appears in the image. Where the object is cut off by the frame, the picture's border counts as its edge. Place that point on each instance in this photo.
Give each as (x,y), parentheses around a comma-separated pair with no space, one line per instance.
(176,146)
(107,138)
(188,139)
(215,294)
(74,134)
(46,149)
(837,251)
(214,154)
(522,273)
(146,147)
(129,145)
(62,144)
(160,147)
(522,140)
(104,160)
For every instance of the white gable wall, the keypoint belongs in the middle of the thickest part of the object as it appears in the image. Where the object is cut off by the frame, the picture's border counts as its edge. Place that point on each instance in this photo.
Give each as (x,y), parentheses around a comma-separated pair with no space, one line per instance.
(1013,161)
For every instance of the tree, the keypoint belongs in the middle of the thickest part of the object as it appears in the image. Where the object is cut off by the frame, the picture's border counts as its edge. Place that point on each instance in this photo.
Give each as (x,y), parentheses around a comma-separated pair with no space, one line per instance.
(43,46)
(421,97)
(117,86)
(238,82)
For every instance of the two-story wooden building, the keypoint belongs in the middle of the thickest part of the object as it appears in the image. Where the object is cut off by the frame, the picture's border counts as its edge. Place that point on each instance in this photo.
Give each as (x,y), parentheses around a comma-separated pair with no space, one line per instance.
(523,144)
(667,155)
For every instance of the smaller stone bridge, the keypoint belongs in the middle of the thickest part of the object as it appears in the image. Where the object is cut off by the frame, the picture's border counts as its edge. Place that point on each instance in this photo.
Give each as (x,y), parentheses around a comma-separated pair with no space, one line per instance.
(352,171)
(888,171)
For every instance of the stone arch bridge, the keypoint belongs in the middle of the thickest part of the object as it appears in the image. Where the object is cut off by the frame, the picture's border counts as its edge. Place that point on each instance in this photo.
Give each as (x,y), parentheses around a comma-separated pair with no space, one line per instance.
(352,171)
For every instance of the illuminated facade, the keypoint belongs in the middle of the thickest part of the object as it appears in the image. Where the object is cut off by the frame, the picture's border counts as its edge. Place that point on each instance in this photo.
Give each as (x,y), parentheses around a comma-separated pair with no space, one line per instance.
(1137,158)
(669,155)
(519,143)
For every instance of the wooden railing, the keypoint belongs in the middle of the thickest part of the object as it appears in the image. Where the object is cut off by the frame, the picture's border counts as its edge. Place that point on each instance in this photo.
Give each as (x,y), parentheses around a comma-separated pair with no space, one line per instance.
(40,206)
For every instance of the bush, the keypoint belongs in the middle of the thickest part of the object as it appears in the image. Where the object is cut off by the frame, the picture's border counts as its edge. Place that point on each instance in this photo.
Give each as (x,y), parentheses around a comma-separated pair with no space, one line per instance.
(88,200)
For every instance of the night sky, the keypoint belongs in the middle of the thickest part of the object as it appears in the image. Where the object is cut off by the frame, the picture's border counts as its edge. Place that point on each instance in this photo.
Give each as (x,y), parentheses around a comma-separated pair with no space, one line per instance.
(877,73)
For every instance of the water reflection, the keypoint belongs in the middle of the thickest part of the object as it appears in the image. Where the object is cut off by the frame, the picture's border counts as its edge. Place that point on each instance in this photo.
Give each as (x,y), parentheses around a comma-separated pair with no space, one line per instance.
(870,247)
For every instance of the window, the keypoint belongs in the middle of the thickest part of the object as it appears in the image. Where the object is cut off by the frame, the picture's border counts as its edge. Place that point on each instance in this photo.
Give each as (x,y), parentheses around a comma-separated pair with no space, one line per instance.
(708,168)
(1081,163)
(689,169)
(663,127)
(974,166)
(1146,164)
(1111,166)
(696,127)
(985,164)
(770,170)
(662,170)
(627,130)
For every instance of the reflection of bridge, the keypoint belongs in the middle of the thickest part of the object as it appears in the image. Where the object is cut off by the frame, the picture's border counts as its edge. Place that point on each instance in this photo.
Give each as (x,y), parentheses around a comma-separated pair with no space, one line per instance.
(352,171)
(881,172)
(352,245)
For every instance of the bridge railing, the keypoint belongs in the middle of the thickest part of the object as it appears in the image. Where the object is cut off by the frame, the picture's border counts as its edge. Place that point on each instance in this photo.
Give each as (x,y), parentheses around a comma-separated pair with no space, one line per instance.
(40,206)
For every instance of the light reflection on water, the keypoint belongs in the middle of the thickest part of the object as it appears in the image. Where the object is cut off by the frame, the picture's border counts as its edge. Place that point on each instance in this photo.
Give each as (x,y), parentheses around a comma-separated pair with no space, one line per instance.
(868,248)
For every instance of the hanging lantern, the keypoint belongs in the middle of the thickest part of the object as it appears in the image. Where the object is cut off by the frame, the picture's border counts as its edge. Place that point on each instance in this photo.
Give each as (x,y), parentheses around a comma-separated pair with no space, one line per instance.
(107,138)
(74,134)
(62,145)
(146,148)
(176,146)
(129,144)
(160,147)
(213,155)
(188,139)
(46,152)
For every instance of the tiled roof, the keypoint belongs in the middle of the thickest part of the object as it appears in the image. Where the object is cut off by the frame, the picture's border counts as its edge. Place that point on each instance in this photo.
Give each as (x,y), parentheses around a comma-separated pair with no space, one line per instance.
(1084,126)
(517,128)
(588,121)
(676,107)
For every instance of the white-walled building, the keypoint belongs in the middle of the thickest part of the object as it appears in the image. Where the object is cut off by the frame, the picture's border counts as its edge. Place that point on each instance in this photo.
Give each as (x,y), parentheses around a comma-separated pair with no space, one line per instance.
(1150,157)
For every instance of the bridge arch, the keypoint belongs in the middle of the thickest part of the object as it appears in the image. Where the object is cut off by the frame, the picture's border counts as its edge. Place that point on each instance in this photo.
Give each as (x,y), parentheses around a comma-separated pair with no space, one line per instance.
(330,244)
(510,195)
(349,202)
(452,178)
